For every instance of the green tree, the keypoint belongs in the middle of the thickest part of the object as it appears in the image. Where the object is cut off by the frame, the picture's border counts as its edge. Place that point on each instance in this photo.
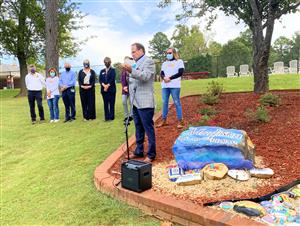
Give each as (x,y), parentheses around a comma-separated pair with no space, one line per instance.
(22,31)
(118,68)
(178,35)
(282,47)
(158,46)
(190,42)
(215,49)
(199,63)
(245,37)
(295,50)
(259,16)
(234,53)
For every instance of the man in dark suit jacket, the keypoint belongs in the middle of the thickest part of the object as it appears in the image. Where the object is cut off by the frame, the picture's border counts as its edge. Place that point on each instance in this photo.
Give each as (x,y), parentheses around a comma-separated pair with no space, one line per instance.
(141,81)
(107,79)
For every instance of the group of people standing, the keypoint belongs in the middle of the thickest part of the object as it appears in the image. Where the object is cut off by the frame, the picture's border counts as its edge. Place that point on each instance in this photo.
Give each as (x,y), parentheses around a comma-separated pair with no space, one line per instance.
(137,79)
(65,85)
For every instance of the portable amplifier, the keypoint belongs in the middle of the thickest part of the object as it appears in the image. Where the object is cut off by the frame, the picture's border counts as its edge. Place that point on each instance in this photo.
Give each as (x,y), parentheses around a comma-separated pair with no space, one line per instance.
(136,175)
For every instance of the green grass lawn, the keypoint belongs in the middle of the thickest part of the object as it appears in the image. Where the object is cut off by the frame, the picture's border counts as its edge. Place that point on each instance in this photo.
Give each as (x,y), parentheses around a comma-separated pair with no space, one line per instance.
(47,169)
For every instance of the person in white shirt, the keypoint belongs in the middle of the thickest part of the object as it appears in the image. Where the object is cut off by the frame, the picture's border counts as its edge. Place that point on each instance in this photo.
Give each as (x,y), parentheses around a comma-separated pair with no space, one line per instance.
(34,84)
(171,73)
(52,86)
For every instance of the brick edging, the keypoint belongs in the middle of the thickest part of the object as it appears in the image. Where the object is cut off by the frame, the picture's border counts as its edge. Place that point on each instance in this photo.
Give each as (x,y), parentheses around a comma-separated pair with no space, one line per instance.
(162,206)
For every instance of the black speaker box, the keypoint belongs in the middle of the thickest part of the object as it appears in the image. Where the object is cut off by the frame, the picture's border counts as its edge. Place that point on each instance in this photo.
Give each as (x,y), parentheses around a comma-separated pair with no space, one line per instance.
(136,175)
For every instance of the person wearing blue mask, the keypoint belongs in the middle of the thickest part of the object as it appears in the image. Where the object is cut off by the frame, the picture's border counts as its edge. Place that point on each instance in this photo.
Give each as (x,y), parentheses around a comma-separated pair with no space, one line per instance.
(107,80)
(34,84)
(67,81)
(52,87)
(171,73)
(141,90)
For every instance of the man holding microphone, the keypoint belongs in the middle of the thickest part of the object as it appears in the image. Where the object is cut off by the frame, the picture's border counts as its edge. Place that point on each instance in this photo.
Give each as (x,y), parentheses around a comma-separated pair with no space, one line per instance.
(142,91)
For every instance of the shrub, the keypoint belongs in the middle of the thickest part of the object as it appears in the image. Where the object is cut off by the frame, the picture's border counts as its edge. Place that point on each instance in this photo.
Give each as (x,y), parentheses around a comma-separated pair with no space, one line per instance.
(214,88)
(208,111)
(269,99)
(204,120)
(210,99)
(260,114)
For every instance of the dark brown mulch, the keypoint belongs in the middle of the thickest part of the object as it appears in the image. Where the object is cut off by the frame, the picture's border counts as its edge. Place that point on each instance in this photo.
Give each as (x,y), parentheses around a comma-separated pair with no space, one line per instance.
(277,141)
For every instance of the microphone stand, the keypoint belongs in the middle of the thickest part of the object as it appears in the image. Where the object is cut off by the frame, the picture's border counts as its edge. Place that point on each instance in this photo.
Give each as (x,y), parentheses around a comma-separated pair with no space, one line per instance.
(127,123)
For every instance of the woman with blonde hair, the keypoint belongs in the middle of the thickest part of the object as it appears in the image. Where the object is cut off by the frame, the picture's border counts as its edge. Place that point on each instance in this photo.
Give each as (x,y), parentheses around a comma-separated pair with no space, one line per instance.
(52,87)
(171,73)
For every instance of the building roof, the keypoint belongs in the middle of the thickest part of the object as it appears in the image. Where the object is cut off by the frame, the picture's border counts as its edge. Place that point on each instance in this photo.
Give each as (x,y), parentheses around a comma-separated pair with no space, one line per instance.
(9,69)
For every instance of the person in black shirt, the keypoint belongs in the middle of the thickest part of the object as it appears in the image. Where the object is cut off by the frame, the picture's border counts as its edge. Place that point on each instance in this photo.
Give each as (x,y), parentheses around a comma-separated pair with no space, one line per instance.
(107,79)
(86,80)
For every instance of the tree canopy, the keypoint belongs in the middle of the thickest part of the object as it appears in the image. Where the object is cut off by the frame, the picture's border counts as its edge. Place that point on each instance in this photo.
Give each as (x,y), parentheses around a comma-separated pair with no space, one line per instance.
(158,46)
(190,42)
(22,31)
(259,16)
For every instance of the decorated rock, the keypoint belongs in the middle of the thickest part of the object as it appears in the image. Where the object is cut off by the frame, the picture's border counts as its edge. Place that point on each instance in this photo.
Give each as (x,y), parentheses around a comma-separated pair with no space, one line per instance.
(251,212)
(241,175)
(226,205)
(262,173)
(215,171)
(189,179)
(269,219)
(174,173)
(252,205)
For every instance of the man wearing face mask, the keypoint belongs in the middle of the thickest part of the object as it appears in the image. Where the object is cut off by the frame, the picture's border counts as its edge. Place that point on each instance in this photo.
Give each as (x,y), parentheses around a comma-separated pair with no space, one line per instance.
(34,84)
(107,82)
(142,91)
(67,83)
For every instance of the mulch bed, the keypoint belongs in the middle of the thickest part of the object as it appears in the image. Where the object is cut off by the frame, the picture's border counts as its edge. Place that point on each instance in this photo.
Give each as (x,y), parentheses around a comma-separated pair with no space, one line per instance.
(277,142)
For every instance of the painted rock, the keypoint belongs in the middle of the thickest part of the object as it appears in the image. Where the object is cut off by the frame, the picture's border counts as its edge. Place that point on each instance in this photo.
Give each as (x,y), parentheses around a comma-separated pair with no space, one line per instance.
(262,173)
(189,179)
(226,205)
(241,175)
(253,205)
(174,173)
(269,219)
(215,171)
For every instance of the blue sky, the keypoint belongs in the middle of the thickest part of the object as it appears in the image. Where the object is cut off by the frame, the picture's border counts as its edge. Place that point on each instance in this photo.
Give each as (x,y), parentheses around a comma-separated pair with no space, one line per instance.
(116,24)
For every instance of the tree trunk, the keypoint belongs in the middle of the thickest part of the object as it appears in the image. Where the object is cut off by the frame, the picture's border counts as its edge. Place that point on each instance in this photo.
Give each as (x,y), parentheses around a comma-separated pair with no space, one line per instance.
(21,50)
(51,15)
(262,44)
(23,73)
(260,66)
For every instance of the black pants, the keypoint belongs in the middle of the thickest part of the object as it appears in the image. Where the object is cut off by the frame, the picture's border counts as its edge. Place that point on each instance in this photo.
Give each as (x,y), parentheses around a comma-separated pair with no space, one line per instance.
(32,97)
(87,97)
(68,97)
(109,105)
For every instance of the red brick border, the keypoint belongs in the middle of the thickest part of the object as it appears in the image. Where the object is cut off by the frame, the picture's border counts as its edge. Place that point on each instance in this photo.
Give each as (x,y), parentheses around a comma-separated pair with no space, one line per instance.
(154,203)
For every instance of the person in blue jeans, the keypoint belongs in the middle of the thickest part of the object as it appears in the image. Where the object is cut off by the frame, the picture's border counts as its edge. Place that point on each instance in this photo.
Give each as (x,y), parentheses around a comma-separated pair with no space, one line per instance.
(171,73)
(52,87)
